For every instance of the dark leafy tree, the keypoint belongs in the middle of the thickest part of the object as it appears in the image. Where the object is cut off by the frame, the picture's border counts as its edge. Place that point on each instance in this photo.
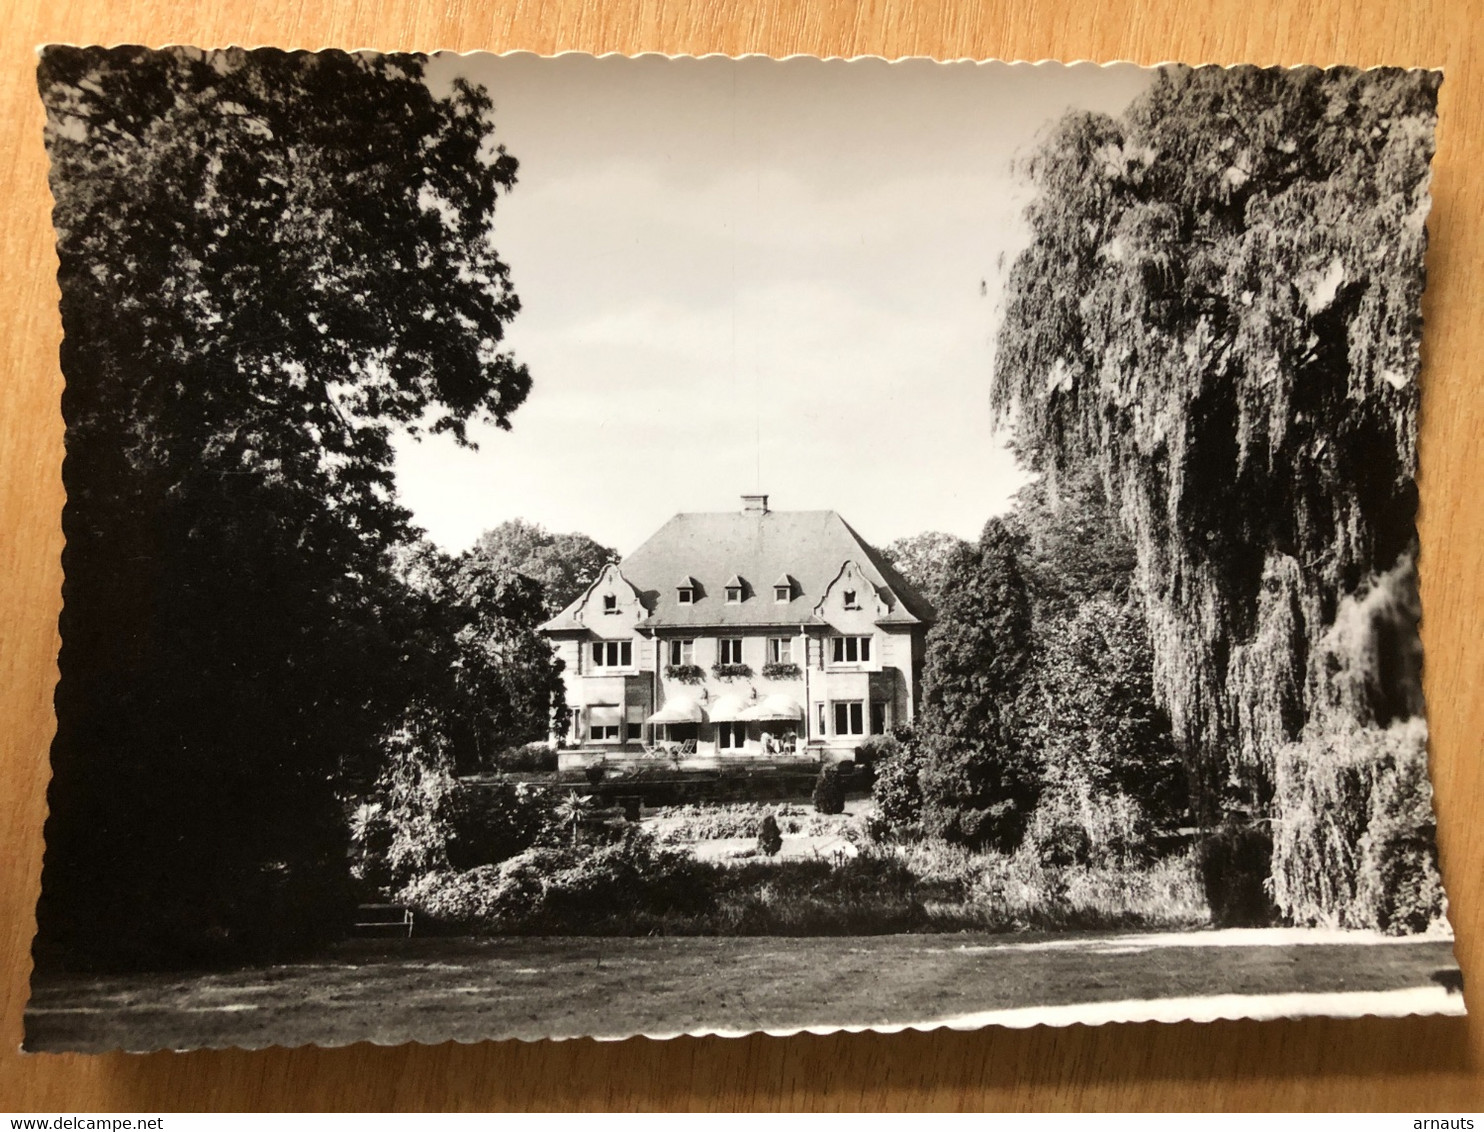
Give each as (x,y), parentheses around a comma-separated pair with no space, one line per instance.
(1219,309)
(268,261)
(978,778)
(563,564)
(1092,717)
(922,560)
(1072,547)
(491,681)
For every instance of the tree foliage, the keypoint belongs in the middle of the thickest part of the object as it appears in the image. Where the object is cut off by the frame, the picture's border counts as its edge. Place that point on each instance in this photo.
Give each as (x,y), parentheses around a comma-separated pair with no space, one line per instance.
(1219,309)
(563,564)
(490,680)
(923,560)
(978,779)
(1072,548)
(269,261)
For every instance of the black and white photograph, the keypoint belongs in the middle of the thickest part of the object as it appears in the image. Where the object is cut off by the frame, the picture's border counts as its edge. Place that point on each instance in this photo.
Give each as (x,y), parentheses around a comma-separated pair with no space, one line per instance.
(596,546)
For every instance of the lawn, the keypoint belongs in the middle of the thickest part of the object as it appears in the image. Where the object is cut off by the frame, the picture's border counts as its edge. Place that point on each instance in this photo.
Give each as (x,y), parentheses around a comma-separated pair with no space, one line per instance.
(434,990)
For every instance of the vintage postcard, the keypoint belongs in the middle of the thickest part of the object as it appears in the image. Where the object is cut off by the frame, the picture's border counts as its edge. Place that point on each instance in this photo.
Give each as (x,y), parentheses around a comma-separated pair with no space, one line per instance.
(610,546)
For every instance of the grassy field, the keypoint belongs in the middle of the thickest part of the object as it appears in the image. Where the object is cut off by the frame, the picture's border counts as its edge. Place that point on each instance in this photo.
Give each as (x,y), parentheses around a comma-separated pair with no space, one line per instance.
(434,990)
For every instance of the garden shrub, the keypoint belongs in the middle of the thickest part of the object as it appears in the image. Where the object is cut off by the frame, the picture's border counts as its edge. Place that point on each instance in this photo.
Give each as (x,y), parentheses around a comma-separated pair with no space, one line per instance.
(829,793)
(1235,863)
(632,875)
(704,822)
(896,791)
(769,839)
(1074,824)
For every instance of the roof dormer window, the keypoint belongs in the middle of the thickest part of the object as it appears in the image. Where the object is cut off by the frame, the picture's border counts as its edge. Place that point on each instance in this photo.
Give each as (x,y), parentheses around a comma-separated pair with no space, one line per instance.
(685,591)
(734,589)
(783,589)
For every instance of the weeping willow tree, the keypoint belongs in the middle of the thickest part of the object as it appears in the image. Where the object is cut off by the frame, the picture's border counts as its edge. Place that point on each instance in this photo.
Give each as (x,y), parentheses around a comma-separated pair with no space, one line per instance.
(1220,310)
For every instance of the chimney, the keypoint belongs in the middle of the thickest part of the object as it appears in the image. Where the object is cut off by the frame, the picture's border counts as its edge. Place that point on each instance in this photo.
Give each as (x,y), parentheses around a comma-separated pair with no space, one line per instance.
(754,505)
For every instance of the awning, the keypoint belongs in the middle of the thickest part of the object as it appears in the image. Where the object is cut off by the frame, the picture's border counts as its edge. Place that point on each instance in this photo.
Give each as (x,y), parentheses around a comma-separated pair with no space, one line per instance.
(776,707)
(679,710)
(728,709)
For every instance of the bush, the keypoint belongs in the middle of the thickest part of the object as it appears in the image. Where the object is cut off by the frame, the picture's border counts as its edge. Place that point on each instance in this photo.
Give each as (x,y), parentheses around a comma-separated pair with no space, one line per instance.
(1354,837)
(1074,824)
(896,791)
(1235,863)
(769,839)
(565,889)
(631,875)
(829,794)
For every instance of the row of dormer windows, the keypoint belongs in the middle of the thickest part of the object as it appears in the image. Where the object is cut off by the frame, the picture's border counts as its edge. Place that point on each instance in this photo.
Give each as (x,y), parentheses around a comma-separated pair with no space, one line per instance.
(785,589)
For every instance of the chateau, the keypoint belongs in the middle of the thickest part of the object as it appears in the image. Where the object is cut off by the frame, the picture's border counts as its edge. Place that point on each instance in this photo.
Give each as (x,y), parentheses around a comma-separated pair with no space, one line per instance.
(748,633)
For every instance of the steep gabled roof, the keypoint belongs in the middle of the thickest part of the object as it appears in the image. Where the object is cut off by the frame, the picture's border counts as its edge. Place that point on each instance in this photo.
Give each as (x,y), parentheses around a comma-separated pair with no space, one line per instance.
(808,547)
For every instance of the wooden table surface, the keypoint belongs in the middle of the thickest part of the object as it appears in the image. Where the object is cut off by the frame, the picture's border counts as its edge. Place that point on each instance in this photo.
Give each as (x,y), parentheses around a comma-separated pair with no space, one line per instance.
(1432,1065)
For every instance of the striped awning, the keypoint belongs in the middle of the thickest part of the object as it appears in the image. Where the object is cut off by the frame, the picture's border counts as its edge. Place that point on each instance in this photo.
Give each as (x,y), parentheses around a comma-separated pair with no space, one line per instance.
(728,709)
(776,707)
(679,710)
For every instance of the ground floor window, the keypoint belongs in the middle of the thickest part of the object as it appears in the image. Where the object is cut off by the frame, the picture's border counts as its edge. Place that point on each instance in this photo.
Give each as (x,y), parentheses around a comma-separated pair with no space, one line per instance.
(729,650)
(604,732)
(878,719)
(781,650)
(849,717)
(682,652)
(731,736)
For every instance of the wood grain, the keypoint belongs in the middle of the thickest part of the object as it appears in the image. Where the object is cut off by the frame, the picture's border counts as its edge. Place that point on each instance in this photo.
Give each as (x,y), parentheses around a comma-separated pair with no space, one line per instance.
(1422,1064)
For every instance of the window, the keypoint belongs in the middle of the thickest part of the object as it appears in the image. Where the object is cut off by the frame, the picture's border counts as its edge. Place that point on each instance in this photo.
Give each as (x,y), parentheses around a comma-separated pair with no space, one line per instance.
(632,732)
(731,736)
(821,722)
(734,595)
(610,603)
(613,654)
(685,595)
(849,717)
(682,652)
(781,650)
(604,732)
(850,602)
(729,650)
(878,718)
(850,650)
(783,593)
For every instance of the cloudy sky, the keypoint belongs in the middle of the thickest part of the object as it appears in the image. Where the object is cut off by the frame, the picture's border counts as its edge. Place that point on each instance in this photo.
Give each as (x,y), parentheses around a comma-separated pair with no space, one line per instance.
(752,275)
